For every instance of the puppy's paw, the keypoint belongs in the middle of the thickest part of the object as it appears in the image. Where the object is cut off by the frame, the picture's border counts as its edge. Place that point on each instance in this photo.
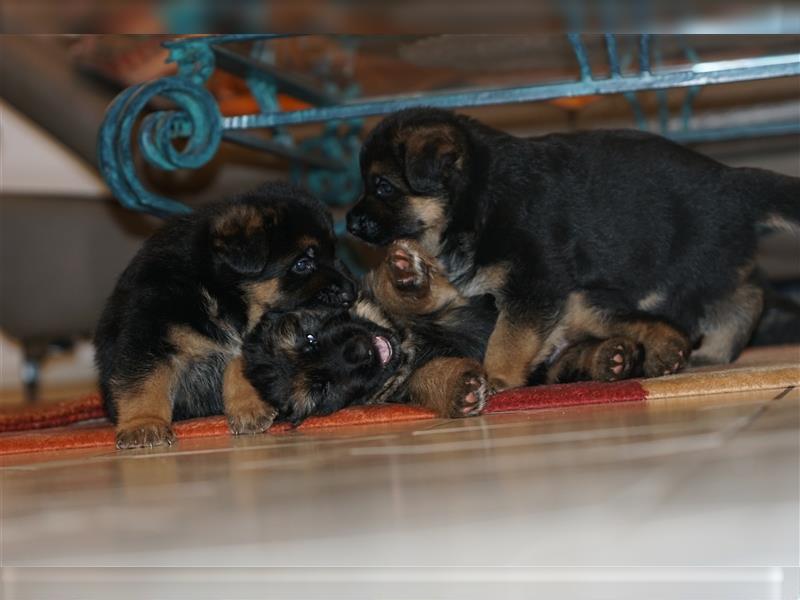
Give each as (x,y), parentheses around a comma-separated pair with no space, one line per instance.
(666,354)
(409,272)
(252,419)
(144,434)
(614,359)
(469,395)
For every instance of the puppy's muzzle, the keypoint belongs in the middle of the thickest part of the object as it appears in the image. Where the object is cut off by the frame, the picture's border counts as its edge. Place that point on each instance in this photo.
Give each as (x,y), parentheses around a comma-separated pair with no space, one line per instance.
(361,226)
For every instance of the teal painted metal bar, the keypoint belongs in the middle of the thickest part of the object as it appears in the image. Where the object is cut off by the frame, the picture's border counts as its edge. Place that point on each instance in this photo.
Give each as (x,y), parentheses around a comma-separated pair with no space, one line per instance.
(744,70)
(328,163)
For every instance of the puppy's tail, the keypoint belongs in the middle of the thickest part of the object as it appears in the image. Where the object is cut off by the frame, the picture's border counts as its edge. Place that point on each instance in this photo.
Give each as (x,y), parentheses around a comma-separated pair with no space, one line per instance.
(777,197)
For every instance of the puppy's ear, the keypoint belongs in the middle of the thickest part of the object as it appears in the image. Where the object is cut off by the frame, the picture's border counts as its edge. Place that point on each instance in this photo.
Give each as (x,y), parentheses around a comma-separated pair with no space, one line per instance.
(432,158)
(240,238)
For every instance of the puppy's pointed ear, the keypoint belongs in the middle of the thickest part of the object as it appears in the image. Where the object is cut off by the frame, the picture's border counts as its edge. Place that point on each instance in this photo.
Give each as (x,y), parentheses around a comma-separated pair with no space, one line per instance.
(240,238)
(433,157)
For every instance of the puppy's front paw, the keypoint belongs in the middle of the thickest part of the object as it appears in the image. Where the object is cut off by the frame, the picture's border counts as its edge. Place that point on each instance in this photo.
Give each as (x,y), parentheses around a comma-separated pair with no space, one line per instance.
(470,395)
(614,359)
(144,434)
(666,354)
(409,273)
(253,419)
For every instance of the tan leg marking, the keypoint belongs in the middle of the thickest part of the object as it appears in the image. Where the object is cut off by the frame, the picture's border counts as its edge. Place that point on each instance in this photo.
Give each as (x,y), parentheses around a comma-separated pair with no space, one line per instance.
(666,349)
(245,410)
(596,360)
(453,387)
(144,413)
(510,353)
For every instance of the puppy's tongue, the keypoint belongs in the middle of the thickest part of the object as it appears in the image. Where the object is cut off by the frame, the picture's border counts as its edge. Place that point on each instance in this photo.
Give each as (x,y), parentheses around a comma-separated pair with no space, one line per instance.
(383,348)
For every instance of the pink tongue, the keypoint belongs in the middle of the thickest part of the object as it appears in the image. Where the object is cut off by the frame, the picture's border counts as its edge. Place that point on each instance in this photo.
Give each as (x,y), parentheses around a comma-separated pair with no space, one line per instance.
(383,347)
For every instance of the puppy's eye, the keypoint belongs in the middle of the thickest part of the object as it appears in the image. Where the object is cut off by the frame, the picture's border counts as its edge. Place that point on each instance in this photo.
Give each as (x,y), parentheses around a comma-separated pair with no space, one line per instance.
(383,188)
(311,339)
(303,266)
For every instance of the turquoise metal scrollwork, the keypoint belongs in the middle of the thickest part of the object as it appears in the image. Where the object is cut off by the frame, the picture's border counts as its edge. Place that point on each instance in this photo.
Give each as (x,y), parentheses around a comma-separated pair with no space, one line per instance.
(195,117)
(327,164)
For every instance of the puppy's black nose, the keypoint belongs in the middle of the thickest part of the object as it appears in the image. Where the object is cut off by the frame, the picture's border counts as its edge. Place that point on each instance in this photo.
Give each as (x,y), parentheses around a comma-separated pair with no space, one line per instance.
(356,224)
(358,351)
(341,294)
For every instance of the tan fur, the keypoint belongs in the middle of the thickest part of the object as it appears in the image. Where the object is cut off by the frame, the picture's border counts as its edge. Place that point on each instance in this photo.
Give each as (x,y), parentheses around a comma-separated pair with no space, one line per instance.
(580,317)
(650,302)
(435,292)
(439,384)
(239,218)
(145,406)
(368,310)
(511,350)
(191,344)
(594,359)
(417,138)
(728,325)
(245,410)
(487,280)
(429,211)
(233,339)
(781,223)
(259,297)
(300,395)
(306,241)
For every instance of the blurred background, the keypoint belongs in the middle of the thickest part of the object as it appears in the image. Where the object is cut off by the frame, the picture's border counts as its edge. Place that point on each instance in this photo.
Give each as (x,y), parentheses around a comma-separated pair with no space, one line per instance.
(64,237)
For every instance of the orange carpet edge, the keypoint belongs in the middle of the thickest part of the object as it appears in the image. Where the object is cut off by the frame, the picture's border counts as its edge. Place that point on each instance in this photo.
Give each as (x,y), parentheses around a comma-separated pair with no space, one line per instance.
(44,426)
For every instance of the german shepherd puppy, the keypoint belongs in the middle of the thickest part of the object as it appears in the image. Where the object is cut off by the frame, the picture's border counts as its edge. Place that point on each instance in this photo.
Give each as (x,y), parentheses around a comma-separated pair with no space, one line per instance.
(169,340)
(410,349)
(599,233)
(410,337)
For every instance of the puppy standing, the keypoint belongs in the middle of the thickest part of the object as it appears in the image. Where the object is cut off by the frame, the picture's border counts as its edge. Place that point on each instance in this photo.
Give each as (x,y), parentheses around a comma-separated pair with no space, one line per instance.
(169,340)
(602,233)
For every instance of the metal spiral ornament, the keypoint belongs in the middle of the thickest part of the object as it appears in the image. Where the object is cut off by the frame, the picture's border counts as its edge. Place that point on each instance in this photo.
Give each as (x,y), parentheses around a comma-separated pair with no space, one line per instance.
(196,117)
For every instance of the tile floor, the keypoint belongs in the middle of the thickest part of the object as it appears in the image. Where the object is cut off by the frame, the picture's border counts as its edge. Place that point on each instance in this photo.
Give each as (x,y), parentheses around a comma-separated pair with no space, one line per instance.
(701,495)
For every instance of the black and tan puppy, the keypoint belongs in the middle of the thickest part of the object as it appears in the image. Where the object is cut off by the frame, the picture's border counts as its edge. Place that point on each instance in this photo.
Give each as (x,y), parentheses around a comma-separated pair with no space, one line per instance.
(410,337)
(424,346)
(169,340)
(601,233)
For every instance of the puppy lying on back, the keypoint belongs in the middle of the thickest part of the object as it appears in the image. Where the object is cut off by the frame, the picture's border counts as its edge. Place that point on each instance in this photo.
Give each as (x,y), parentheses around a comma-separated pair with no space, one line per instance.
(169,340)
(318,361)
(600,233)
(410,337)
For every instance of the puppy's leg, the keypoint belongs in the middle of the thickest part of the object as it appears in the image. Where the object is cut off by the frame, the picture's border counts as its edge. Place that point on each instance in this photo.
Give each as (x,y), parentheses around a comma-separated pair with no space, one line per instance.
(245,410)
(729,324)
(453,387)
(515,347)
(410,282)
(666,350)
(595,360)
(144,410)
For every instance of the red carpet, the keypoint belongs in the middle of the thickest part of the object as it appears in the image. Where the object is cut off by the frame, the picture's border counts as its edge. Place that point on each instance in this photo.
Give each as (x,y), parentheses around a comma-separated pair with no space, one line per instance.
(76,424)
(39,429)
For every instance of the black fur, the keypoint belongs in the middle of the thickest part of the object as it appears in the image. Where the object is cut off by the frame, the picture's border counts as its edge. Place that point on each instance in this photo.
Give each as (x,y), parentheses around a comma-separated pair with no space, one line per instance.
(186,275)
(617,215)
(342,365)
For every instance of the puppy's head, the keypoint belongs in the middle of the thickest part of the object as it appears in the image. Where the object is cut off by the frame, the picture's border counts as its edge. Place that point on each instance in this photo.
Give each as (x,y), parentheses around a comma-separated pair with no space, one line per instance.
(274,248)
(313,362)
(414,166)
